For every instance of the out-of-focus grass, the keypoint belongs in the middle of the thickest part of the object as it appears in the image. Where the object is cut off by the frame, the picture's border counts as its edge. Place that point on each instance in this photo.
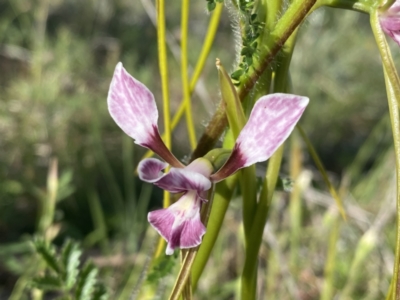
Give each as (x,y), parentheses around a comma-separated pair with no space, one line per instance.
(61,112)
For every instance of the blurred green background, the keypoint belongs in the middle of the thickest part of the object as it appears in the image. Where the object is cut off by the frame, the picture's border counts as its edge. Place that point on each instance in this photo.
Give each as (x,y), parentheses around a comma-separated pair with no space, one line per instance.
(56,62)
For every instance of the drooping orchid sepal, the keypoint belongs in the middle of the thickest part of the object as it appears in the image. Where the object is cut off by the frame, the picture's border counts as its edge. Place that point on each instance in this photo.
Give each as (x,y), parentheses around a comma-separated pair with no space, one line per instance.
(270,123)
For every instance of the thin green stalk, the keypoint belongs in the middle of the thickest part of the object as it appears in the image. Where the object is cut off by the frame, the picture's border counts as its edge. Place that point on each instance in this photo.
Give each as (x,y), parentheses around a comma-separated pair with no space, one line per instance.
(327,292)
(296,161)
(286,25)
(364,247)
(205,51)
(322,170)
(105,167)
(393,93)
(100,228)
(184,73)
(163,65)
(249,274)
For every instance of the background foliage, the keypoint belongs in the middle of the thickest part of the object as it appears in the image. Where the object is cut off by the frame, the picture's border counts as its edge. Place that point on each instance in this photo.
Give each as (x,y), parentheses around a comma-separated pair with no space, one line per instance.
(57,60)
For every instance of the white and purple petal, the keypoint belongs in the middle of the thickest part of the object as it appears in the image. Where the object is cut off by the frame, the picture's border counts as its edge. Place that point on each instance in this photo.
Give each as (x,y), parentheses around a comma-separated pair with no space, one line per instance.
(390,21)
(180,224)
(180,180)
(270,124)
(176,180)
(133,108)
(149,169)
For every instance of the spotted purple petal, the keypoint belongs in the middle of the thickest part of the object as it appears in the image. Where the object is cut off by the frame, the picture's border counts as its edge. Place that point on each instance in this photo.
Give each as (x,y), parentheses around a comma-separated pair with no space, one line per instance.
(133,108)
(176,180)
(180,224)
(271,122)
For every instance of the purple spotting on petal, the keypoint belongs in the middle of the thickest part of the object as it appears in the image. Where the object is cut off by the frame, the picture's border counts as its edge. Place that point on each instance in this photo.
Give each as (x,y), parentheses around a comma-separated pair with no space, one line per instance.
(270,124)
(133,108)
(180,223)
(390,21)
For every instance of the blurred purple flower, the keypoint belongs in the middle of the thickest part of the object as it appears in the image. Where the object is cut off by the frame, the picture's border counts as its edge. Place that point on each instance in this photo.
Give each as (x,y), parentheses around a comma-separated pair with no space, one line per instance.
(133,108)
(390,21)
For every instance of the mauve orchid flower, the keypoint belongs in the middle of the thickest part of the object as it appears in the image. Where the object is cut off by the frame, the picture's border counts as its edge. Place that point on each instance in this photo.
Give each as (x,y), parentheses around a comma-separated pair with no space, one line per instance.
(390,21)
(133,108)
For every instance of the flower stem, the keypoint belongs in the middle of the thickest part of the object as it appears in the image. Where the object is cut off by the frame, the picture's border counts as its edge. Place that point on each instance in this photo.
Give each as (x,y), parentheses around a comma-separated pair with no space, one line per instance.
(163,65)
(249,276)
(393,93)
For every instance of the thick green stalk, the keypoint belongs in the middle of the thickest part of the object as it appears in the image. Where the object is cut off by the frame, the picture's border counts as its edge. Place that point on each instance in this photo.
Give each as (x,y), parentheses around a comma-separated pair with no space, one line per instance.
(249,276)
(393,93)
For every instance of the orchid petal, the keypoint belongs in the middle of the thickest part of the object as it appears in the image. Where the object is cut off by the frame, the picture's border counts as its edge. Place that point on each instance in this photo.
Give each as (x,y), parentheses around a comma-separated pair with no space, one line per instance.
(176,180)
(149,169)
(179,180)
(179,224)
(390,21)
(133,108)
(270,124)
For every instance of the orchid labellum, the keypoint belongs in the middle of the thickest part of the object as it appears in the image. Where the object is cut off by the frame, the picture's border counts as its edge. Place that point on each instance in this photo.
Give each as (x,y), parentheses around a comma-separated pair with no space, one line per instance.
(133,108)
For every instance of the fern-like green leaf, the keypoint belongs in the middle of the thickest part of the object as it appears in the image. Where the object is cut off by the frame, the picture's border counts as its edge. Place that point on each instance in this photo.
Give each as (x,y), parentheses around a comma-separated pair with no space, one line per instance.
(47,283)
(70,258)
(48,253)
(86,282)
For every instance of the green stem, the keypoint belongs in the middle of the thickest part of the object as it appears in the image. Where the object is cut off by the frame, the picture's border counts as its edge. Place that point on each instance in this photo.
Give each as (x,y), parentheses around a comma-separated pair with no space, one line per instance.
(393,94)
(249,275)
(185,75)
